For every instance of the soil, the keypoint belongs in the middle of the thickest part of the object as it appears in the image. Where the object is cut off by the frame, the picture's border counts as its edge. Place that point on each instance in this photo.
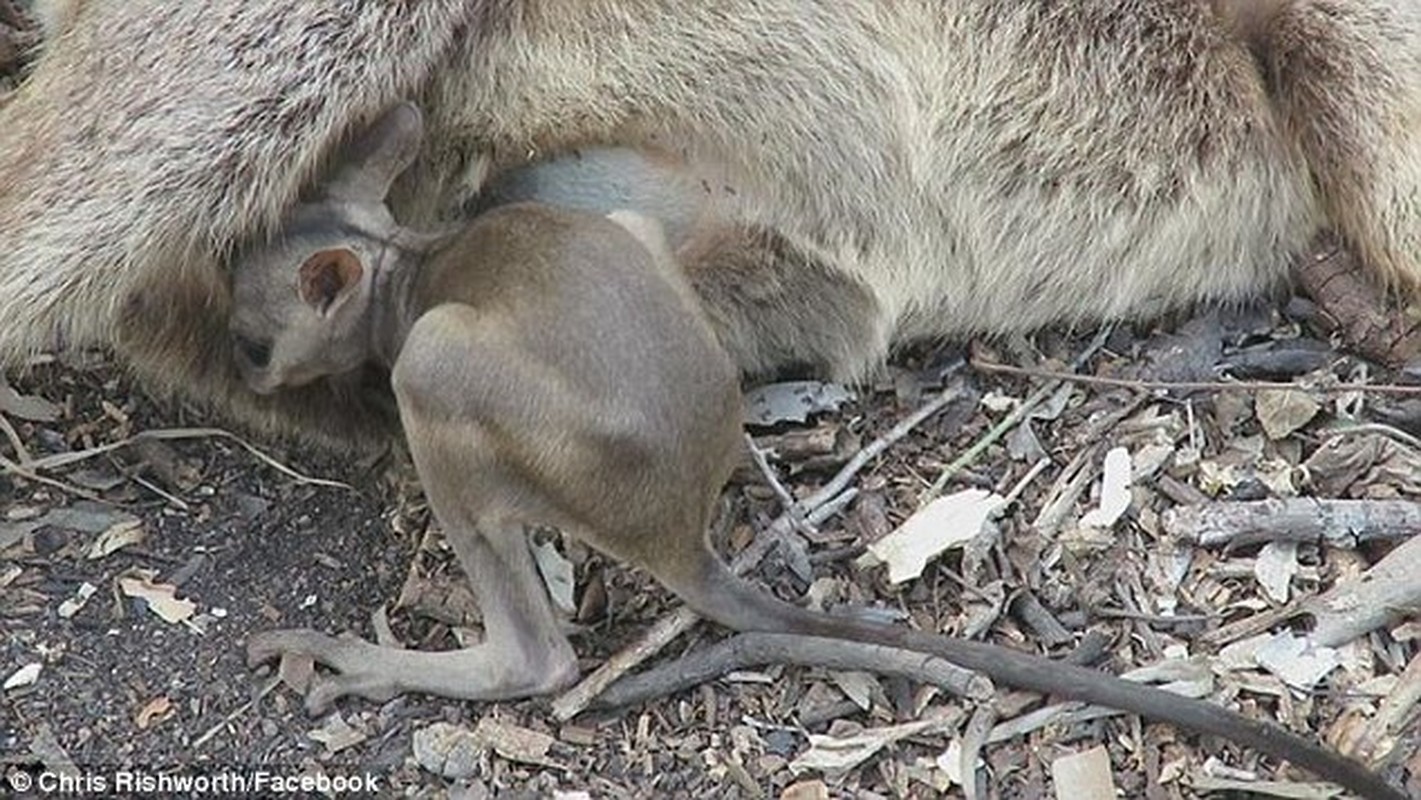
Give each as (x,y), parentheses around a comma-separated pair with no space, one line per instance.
(121,690)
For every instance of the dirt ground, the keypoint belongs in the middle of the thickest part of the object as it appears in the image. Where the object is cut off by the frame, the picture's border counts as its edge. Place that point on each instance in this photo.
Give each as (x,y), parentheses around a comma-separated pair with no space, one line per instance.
(223,542)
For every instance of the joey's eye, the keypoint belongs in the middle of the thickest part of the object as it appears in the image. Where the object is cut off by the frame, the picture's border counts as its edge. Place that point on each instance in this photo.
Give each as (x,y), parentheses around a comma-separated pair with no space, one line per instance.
(257,354)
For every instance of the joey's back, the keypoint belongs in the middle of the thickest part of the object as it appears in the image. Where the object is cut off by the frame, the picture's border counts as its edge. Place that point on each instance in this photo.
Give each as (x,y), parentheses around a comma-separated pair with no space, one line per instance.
(582,301)
(571,285)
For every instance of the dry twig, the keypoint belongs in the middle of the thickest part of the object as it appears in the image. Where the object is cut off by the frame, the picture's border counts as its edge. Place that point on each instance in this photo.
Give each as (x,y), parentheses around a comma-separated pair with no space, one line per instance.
(21,452)
(1194,386)
(974,740)
(1296,519)
(1008,422)
(787,501)
(25,472)
(65,459)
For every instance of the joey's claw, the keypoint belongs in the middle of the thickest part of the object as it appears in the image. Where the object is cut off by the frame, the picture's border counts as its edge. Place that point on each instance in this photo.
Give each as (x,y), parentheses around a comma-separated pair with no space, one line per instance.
(269,645)
(355,660)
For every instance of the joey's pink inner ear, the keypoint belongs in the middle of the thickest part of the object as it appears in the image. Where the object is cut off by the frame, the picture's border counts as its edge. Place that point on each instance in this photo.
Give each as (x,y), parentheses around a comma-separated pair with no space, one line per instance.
(327,276)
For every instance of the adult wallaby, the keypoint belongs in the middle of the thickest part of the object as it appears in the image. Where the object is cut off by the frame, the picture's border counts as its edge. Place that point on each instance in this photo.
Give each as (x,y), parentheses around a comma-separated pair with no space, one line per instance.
(922,169)
(551,368)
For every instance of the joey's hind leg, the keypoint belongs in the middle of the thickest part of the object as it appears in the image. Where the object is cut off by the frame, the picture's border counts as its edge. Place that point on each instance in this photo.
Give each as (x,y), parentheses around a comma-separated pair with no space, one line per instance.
(524,652)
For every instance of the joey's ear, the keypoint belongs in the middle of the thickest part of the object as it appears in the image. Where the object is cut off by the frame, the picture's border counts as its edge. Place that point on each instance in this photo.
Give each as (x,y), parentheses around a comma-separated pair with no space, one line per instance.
(378,156)
(328,277)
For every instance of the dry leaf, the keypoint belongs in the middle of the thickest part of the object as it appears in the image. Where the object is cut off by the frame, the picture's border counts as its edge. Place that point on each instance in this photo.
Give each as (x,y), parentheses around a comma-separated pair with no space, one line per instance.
(557,576)
(336,734)
(834,754)
(85,516)
(116,537)
(806,790)
(12,533)
(792,401)
(441,597)
(516,743)
(1022,444)
(1282,411)
(1084,776)
(25,406)
(448,750)
(1114,490)
(70,607)
(1360,465)
(857,686)
(948,521)
(296,671)
(156,710)
(24,676)
(1295,660)
(949,763)
(9,574)
(1150,460)
(161,598)
(1275,567)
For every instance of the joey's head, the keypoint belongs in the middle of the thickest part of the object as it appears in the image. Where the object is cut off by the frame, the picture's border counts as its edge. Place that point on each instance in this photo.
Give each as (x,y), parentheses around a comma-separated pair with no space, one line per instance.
(303,303)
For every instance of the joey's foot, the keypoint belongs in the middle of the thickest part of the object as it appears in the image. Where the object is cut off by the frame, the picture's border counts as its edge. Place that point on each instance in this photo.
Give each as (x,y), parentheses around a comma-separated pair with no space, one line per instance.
(483,672)
(361,666)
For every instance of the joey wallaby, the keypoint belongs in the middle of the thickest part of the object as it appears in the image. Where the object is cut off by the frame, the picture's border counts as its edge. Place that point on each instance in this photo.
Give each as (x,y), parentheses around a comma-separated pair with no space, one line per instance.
(553,368)
(935,169)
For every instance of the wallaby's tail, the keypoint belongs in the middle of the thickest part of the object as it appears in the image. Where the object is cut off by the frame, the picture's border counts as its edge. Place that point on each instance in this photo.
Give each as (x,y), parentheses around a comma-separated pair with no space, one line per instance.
(1345,79)
(709,587)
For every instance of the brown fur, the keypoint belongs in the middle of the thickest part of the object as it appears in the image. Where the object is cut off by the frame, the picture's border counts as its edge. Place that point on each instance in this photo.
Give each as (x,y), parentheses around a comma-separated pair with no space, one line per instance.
(949,168)
(552,369)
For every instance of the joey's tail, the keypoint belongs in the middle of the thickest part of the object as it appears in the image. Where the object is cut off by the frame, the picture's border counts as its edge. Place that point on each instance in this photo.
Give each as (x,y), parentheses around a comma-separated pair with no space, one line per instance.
(1345,82)
(716,593)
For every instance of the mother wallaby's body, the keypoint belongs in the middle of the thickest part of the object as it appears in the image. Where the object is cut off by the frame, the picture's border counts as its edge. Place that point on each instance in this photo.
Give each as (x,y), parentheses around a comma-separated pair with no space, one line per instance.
(879,173)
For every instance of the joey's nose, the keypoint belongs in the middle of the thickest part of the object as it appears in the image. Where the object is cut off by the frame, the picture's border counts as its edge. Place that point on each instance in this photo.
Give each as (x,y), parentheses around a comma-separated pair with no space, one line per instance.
(262,386)
(255,379)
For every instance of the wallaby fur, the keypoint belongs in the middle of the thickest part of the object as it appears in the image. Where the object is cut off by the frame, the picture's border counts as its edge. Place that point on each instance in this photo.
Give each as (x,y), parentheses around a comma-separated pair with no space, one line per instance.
(551,368)
(940,169)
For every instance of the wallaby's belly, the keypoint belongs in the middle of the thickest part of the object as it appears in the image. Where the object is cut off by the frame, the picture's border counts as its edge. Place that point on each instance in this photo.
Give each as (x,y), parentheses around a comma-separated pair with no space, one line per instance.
(1015,168)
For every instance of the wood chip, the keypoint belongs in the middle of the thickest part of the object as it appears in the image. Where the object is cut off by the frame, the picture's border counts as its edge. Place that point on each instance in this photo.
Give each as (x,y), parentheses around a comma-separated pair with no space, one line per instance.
(153,712)
(1084,776)
(24,676)
(161,598)
(948,521)
(116,537)
(1114,490)
(337,734)
(1282,411)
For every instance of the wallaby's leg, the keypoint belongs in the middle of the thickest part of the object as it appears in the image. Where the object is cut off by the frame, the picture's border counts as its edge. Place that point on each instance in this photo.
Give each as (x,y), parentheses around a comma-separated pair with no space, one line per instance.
(524,653)
(462,389)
